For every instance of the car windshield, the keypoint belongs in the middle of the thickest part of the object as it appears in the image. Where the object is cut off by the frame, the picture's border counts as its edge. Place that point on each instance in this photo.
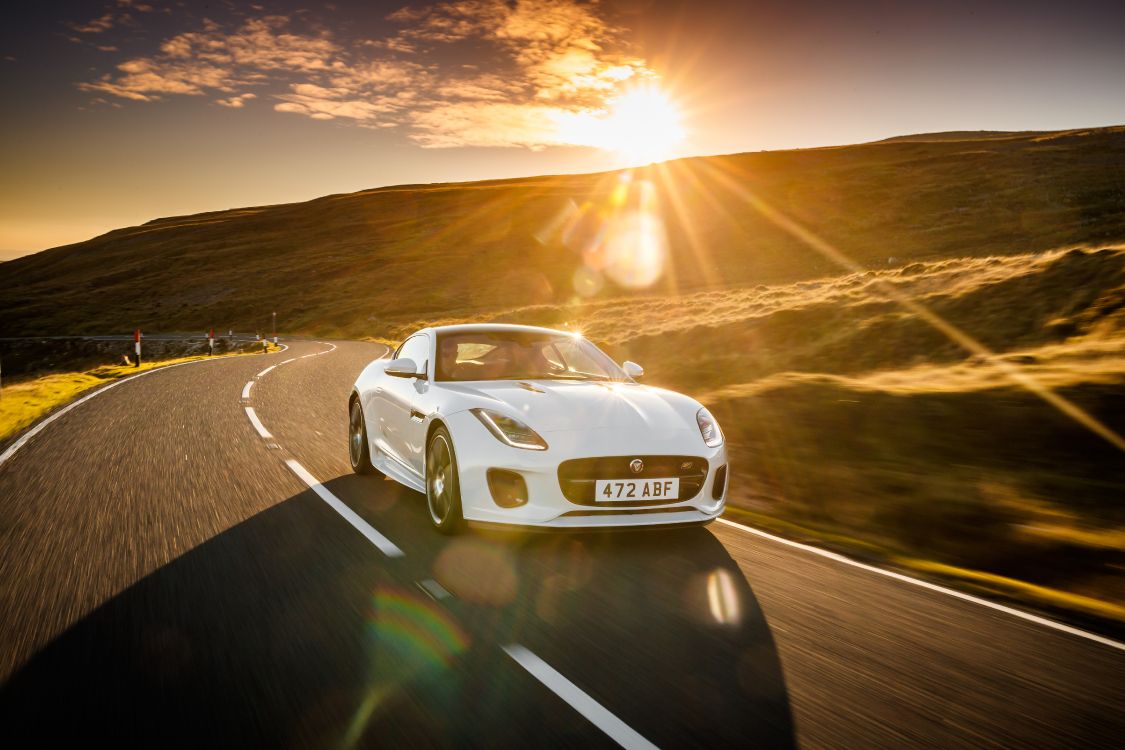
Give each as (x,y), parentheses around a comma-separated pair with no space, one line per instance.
(521,355)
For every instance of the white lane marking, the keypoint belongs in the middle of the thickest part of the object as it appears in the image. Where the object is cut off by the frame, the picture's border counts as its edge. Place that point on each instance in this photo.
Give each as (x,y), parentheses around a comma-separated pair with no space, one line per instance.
(308,355)
(433,589)
(328,351)
(263,372)
(261,428)
(386,546)
(291,359)
(579,700)
(246,389)
(932,587)
(11,451)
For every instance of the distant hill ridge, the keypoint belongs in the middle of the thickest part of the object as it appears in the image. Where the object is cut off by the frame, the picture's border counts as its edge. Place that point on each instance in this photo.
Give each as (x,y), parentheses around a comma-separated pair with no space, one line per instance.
(357,263)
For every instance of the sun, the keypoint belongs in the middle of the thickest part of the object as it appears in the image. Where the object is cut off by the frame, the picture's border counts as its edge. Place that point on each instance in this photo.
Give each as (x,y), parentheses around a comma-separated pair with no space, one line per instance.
(642,125)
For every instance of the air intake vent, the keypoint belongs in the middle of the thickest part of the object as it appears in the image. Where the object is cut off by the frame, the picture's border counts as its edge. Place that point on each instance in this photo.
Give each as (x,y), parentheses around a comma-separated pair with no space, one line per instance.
(720,484)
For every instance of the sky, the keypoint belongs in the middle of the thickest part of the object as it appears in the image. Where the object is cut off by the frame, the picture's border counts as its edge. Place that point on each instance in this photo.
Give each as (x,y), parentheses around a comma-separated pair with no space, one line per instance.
(117,112)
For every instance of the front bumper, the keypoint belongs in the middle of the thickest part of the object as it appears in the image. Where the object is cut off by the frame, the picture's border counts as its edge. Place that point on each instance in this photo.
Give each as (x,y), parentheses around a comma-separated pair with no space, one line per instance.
(477,451)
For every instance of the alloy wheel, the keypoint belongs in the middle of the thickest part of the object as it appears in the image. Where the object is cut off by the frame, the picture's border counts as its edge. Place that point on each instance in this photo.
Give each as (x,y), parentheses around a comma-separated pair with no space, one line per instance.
(439,486)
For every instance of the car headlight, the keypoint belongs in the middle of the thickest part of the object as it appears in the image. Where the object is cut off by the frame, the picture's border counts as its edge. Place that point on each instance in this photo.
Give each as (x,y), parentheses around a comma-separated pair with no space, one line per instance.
(709,428)
(509,430)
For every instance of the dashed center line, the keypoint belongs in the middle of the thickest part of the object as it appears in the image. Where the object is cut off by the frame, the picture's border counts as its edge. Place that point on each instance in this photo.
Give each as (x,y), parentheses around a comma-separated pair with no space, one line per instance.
(575,697)
(578,699)
(263,372)
(291,359)
(261,428)
(434,590)
(386,546)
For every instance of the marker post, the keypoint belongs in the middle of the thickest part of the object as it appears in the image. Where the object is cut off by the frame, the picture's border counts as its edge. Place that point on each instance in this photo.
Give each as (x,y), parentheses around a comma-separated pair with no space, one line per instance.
(137,346)
(211,343)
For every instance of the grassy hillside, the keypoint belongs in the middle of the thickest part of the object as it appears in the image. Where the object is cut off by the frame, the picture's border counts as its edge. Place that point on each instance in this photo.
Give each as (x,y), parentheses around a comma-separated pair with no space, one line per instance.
(803,301)
(354,263)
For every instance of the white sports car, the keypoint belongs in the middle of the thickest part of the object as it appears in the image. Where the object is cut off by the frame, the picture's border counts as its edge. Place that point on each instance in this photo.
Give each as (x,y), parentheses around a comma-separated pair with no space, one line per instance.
(508,424)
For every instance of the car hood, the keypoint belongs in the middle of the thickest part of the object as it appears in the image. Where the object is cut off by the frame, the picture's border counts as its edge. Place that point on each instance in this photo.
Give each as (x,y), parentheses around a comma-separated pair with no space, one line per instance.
(554,406)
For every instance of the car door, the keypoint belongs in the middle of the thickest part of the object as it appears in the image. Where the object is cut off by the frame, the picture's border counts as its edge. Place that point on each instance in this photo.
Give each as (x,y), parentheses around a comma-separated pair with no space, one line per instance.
(400,422)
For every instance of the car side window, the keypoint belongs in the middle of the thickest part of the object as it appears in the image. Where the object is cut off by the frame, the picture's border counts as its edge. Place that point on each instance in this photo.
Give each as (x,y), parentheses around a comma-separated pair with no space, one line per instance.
(416,348)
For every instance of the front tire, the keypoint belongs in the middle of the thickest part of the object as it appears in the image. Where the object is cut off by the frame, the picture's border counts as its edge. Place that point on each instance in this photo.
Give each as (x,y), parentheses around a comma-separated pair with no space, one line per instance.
(443,489)
(359,450)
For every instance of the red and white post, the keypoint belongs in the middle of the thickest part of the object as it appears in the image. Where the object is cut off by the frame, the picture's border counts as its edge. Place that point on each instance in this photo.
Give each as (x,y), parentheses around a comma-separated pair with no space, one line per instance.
(137,346)
(211,343)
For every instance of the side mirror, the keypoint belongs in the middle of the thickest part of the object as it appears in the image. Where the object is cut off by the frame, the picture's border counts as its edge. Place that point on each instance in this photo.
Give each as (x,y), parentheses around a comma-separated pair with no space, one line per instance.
(403,368)
(633,370)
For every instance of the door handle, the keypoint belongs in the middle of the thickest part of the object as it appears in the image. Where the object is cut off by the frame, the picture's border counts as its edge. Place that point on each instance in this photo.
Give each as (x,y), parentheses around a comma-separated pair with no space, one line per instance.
(415,414)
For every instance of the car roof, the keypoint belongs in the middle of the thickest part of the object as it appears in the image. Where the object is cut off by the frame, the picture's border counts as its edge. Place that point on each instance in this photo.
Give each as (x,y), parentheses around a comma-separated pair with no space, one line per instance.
(485,327)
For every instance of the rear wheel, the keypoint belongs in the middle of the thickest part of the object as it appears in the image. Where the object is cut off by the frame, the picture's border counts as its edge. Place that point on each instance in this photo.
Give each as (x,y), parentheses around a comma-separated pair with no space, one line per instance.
(359,450)
(443,491)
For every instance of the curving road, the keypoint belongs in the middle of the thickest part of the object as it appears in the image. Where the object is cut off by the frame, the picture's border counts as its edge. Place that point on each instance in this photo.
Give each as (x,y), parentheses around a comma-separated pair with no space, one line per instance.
(176,570)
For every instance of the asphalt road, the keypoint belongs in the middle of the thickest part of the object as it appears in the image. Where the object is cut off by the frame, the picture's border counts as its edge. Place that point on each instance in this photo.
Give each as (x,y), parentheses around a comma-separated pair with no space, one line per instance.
(169,578)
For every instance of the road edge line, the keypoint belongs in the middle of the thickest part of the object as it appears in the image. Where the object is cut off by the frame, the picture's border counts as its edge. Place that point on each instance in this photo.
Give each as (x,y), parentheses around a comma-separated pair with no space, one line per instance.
(1038,620)
(38,427)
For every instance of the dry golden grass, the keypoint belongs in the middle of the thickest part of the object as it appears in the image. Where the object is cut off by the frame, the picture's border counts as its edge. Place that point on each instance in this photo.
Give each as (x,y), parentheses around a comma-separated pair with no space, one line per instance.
(26,402)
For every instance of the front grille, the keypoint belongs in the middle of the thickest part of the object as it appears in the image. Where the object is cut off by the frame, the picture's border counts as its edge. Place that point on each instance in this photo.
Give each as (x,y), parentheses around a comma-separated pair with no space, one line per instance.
(623,511)
(577,477)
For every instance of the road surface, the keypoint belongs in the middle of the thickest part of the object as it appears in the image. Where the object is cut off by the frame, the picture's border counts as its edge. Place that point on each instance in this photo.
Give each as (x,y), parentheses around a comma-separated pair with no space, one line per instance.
(186,560)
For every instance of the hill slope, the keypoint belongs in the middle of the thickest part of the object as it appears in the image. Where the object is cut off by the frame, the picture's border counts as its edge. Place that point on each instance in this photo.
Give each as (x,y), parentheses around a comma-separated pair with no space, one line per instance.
(356,263)
(851,417)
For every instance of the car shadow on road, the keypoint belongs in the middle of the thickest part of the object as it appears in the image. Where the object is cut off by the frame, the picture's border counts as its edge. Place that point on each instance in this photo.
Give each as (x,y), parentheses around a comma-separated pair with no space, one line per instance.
(290,629)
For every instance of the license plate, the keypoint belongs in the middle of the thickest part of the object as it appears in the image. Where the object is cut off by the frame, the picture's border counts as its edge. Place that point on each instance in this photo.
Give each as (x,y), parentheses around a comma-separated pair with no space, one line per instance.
(610,490)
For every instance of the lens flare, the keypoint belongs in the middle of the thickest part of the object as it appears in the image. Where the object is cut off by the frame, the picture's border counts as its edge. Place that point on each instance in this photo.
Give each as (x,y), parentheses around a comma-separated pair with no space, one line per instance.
(722,598)
(409,635)
(620,236)
(414,629)
(636,247)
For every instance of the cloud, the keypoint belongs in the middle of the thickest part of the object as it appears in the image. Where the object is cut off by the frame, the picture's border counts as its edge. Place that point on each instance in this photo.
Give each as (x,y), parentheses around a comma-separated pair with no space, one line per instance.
(97,25)
(212,59)
(236,102)
(147,80)
(500,124)
(112,17)
(463,73)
